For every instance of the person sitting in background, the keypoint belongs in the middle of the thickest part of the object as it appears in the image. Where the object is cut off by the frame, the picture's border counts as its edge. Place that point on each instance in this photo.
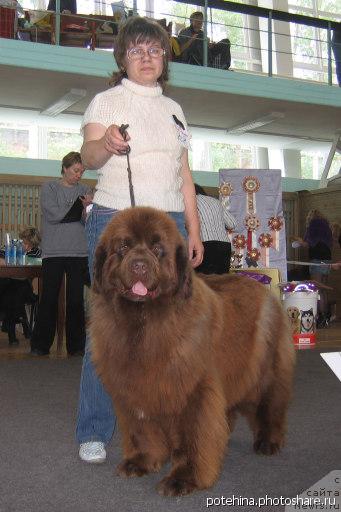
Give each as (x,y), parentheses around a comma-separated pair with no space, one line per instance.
(16,293)
(31,242)
(191,41)
(214,220)
(318,238)
(66,6)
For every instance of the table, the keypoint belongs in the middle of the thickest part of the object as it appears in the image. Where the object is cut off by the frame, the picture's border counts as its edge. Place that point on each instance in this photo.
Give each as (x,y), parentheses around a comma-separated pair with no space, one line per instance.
(32,270)
(87,34)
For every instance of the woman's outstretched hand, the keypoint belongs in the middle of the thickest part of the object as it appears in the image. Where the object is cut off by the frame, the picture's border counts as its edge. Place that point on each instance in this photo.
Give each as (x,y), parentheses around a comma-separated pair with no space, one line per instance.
(114,141)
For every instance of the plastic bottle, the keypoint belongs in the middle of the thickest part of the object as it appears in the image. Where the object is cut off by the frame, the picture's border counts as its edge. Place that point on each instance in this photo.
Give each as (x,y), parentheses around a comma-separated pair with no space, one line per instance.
(8,242)
(13,252)
(20,253)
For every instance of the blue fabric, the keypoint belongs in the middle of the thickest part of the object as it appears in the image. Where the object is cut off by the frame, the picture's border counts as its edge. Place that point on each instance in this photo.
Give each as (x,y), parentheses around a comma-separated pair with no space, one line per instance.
(323,269)
(96,418)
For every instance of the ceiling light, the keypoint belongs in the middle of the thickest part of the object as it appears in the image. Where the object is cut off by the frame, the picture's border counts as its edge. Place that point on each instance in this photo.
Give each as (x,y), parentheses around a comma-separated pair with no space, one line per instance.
(255,123)
(70,98)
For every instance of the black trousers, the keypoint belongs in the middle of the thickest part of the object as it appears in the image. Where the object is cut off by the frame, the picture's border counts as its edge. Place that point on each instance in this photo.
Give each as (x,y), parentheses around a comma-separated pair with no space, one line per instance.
(217,257)
(45,327)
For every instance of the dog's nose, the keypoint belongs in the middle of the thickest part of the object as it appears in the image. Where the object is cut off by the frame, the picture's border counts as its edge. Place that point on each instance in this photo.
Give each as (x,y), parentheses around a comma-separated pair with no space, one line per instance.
(139,267)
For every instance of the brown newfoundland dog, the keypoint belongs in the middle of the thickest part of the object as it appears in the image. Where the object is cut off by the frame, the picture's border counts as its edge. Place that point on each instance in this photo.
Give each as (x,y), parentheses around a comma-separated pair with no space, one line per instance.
(182,354)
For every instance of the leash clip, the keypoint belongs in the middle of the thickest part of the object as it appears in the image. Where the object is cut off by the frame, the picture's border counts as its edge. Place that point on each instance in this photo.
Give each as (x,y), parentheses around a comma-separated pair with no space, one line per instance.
(123,131)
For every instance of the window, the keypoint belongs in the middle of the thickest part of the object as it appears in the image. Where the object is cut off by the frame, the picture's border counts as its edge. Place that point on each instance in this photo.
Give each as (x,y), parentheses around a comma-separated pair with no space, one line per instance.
(60,143)
(26,134)
(310,51)
(14,141)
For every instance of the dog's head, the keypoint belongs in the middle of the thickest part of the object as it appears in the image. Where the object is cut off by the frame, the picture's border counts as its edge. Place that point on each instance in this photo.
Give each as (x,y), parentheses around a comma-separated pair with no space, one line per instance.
(293,312)
(141,256)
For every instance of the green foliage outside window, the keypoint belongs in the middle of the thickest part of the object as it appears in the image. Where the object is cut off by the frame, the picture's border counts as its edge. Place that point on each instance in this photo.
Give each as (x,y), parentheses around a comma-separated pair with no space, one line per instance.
(230,156)
(13,142)
(60,143)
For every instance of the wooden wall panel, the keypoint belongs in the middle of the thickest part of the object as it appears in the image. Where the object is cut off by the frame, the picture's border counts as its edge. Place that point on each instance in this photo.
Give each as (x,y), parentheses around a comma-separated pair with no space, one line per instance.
(20,203)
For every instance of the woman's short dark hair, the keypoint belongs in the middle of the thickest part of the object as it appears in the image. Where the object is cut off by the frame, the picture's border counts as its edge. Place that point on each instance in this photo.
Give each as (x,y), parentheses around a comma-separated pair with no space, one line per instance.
(199,190)
(70,159)
(139,30)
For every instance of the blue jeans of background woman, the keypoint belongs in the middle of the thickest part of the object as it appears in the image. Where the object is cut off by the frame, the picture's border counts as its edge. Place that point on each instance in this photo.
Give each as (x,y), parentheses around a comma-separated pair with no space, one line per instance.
(96,418)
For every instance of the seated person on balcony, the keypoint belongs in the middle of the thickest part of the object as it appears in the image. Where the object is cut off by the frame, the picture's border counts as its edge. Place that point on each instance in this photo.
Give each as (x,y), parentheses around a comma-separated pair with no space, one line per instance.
(66,6)
(15,293)
(191,41)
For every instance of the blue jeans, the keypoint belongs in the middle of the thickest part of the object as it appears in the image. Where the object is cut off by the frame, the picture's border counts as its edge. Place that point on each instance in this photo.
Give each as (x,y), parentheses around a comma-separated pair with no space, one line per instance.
(96,418)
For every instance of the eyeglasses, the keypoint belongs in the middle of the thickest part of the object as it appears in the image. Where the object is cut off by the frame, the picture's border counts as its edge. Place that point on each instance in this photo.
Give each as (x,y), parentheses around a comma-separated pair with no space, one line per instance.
(138,53)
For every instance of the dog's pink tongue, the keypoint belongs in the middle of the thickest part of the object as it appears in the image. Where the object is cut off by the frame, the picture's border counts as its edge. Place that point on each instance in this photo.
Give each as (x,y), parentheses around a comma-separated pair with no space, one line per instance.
(139,288)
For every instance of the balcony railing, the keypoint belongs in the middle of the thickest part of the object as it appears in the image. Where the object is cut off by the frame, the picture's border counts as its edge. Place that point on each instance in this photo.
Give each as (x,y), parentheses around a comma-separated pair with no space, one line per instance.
(260,40)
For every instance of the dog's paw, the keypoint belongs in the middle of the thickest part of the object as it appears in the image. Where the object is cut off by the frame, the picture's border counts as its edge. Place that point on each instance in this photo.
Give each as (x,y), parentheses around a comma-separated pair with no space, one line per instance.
(264,447)
(131,467)
(173,486)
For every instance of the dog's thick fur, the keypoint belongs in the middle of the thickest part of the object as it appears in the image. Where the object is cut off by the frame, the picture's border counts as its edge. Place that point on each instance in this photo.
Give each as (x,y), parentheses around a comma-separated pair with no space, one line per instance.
(183,356)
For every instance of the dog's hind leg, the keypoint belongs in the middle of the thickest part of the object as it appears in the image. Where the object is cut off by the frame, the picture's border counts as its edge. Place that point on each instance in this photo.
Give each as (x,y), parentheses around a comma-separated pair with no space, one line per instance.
(145,448)
(202,433)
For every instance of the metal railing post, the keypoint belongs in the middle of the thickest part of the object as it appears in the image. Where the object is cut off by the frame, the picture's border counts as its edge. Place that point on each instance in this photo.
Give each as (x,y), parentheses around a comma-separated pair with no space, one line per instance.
(270,44)
(205,42)
(57,23)
(329,49)
(135,7)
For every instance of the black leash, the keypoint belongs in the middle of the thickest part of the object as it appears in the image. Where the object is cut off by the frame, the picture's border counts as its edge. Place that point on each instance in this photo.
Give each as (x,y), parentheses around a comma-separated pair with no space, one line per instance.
(123,132)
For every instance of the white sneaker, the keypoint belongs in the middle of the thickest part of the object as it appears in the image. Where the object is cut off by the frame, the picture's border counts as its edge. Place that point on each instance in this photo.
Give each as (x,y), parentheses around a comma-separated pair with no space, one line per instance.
(93,452)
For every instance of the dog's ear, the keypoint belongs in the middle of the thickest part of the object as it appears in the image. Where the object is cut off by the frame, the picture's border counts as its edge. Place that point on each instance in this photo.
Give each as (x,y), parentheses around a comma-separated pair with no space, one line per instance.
(100,257)
(184,271)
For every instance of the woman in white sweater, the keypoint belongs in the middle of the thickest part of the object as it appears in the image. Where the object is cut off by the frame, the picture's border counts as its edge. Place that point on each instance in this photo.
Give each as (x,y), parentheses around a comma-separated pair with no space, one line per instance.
(157,138)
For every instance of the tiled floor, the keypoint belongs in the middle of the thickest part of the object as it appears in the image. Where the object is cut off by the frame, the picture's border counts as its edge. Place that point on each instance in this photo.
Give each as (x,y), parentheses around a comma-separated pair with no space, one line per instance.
(329,338)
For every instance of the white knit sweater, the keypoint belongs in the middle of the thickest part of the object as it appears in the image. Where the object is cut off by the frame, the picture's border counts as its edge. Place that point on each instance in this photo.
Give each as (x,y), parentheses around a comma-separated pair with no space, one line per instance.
(155,149)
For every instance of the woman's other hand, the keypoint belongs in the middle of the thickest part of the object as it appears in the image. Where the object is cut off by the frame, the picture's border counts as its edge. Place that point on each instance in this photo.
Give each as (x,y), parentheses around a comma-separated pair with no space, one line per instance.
(195,250)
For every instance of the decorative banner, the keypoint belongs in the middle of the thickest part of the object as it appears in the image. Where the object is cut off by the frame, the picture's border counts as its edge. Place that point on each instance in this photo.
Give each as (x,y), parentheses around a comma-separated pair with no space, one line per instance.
(255,200)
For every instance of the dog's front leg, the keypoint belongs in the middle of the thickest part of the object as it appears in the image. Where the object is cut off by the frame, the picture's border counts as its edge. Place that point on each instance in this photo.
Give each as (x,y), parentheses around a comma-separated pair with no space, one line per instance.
(202,433)
(145,448)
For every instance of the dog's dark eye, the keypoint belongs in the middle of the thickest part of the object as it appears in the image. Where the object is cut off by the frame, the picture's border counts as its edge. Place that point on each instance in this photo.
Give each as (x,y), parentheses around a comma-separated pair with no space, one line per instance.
(123,247)
(158,250)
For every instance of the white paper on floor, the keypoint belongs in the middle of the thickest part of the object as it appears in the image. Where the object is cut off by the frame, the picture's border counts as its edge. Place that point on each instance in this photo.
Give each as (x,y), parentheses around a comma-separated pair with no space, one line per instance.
(333,360)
